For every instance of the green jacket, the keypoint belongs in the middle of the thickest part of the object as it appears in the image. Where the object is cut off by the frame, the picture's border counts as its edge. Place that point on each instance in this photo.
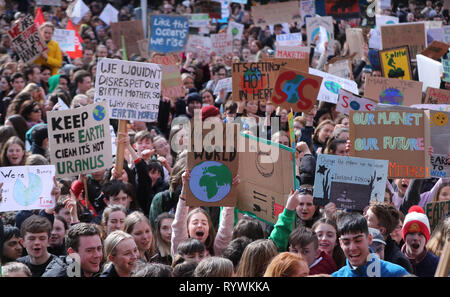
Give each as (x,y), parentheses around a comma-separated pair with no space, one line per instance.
(282,229)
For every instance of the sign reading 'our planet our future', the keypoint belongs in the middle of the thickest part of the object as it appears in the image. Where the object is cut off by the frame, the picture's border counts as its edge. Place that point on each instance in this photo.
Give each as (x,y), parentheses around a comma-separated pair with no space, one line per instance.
(132,89)
(27,187)
(402,137)
(80,140)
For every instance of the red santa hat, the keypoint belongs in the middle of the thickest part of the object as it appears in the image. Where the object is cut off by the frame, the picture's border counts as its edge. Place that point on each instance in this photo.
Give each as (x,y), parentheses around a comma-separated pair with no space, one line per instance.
(416,221)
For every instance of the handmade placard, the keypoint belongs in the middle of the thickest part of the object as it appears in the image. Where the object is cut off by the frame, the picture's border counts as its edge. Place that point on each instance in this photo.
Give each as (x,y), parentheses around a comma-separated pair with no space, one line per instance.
(436,50)
(80,140)
(348,101)
(411,34)
(355,41)
(235,30)
(339,9)
(402,137)
(341,67)
(27,187)
(171,78)
(292,52)
(440,141)
(132,32)
(291,39)
(329,89)
(275,13)
(224,84)
(213,165)
(26,40)
(266,178)
(132,89)
(200,47)
(350,183)
(429,72)
(437,212)
(222,44)
(324,28)
(212,8)
(437,96)
(296,89)
(393,91)
(168,34)
(395,63)
(65,39)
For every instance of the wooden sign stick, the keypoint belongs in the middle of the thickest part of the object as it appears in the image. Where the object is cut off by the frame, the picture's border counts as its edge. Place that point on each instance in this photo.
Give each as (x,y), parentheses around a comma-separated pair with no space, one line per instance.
(122,128)
(444,262)
(86,196)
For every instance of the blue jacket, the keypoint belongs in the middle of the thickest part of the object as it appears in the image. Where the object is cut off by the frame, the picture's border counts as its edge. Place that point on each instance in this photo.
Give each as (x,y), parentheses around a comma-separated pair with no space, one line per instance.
(386,269)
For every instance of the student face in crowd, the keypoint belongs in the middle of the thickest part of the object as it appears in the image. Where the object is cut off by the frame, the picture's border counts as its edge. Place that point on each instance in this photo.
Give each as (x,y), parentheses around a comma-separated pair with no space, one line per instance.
(198,227)
(115,221)
(65,213)
(207,98)
(143,236)
(444,194)
(154,175)
(397,233)
(36,245)
(47,33)
(415,243)
(15,154)
(372,221)
(125,258)
(12,249)
(91,254)
(85,85)
(36,114)
(251,106)
(340,150)
(356,247)
(143,144)
(306,208)
(162,147)
(58,233)
(327,236)
(18,84)
(325,132)
(4,85)
(308,252)
(402,185)
(188,83)
(197,256)
(98,175)
(121,198)
(166,229)
(63,83)
(45,75)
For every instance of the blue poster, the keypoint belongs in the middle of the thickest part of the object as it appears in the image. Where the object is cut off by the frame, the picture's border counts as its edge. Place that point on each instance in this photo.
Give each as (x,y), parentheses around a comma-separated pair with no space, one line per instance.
(168,34)
(349,182)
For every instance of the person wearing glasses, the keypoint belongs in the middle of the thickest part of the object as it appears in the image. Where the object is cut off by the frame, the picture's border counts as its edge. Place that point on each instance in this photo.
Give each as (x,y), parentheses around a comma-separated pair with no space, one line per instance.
(218,72)
(31,112)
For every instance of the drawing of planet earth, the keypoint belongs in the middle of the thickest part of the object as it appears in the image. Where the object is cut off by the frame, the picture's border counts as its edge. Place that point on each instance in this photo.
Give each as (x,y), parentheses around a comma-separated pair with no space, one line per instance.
(391,96)
(210,181)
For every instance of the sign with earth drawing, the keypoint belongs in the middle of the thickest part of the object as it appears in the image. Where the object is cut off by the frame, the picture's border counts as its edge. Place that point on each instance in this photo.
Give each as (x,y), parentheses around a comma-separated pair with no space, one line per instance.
(393,91)
(213,165)
(395,63)
(331,84)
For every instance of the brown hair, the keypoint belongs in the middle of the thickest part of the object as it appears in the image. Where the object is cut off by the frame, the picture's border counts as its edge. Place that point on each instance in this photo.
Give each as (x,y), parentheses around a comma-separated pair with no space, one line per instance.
(4,161)
(209,243)
(131,220)
(256,257)
(319,127)
(35,224)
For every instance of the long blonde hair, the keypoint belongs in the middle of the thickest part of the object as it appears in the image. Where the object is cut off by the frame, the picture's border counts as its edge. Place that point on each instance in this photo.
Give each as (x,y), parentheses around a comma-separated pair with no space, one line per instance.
(439,237)
(130,221)
(111,242)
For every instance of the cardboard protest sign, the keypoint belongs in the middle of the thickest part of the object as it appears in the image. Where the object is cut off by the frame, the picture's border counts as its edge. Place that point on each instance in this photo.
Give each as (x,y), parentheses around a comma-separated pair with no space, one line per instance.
(446,69)
(410,34)
(341,67)
(143,48)
(27,187)
(275,13)
(291,39)
(402,137)
(322,26)
(395,63)
(200,47)
(329,89)
(214,165)
(77,10)
(132,89)
(222,44)
(265,181)
(381,20)
(226,84)
(437,212)
(429,71)
(48,2)
(80,140)
(171,85)
(438,107)
(26,40)
(132,31)
(375,39)
(436,50)
(393,91)
(296,89)
(437,96)
(440,141)
(65,39)
(235,30)
(348,101)
(292,52)
(341,9)
(349,182)
(198,20)
(168,34)
(213,9)
(355,41)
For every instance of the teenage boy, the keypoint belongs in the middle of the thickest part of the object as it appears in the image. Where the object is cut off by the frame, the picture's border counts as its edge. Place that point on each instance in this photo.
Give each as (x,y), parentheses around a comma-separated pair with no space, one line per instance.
(355,239)
(35,231)
(416,233)
(84,249)
(305,243)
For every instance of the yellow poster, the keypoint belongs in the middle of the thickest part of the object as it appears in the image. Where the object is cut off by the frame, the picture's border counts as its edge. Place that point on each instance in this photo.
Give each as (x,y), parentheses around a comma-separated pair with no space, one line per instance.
(395,63)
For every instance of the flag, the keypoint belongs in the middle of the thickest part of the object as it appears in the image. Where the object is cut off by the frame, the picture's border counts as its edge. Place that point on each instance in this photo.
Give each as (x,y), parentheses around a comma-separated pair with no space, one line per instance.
(39,19)
(78,53)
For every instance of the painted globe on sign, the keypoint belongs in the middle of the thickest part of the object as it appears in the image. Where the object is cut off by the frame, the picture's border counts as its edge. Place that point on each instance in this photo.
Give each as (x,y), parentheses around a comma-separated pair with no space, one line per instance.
(99,113)
(391,96)
(210,181)
(332,86)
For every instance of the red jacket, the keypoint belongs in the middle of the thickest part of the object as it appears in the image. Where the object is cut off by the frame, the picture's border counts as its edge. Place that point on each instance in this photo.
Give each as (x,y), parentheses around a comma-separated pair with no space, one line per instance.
(323,264)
